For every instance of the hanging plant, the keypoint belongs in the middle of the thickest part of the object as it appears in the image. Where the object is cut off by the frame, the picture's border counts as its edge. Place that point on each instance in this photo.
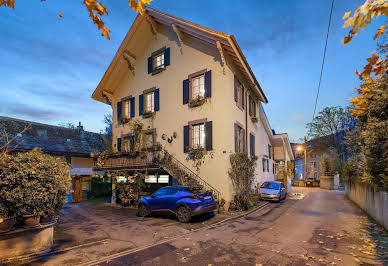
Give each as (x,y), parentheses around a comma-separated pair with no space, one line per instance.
(125,120)
(198,156)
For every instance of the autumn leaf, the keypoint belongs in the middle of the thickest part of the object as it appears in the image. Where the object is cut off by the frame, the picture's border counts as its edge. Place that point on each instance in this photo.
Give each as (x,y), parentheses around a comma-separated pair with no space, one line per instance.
(346,15)
(9,3)
(60,15)
(379,32)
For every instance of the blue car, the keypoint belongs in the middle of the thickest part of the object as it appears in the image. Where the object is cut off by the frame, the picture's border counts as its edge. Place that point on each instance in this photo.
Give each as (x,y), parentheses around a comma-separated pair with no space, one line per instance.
(183,202)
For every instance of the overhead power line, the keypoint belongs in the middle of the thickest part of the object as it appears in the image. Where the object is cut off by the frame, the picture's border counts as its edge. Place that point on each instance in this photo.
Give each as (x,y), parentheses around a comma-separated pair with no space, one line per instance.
(323,59)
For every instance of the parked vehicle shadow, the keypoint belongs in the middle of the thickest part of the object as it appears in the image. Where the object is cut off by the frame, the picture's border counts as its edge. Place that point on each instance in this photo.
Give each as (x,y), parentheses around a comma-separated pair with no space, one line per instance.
(195,219)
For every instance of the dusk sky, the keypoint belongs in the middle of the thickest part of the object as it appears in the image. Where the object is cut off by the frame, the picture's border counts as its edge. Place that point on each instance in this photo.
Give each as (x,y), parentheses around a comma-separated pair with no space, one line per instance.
(50,66)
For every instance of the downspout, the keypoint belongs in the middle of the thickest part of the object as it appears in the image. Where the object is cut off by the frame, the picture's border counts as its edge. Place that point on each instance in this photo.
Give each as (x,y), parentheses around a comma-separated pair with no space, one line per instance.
(246,121)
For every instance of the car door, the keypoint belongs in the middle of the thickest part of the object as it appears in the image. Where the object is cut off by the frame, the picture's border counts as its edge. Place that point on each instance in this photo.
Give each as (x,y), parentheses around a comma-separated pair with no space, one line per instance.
(157,199)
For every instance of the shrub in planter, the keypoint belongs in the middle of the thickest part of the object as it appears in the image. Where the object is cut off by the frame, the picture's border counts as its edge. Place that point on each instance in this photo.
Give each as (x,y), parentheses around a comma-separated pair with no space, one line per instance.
(6,222)
(128,192)
(34,184)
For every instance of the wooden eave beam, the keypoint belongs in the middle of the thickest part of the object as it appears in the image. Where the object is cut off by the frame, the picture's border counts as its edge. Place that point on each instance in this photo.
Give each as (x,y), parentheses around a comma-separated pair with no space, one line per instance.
(178,33)
(221,50)
(127,57)
(152,23)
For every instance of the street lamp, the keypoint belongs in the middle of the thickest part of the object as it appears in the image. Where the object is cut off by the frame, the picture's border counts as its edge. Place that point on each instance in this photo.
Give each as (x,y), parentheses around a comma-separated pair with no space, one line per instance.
(303,148)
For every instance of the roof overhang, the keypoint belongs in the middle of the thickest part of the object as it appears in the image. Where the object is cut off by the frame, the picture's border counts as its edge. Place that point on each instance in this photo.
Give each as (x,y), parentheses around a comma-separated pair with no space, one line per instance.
(208,36)
(283,141)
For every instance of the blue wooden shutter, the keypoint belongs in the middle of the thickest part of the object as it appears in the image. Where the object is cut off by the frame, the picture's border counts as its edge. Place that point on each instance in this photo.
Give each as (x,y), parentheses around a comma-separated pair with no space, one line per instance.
(269,151)
(263,160)
(235,89)
(119,144)
(208,84)
(236,139)
(186,91)
(118,111)
(242,98)
(141,104)
(250,105)
(252,144)
(133,107)
(254,108)
(156,100)
(209,135)
(267,165)
(186,139)
(167,56)
(150,65)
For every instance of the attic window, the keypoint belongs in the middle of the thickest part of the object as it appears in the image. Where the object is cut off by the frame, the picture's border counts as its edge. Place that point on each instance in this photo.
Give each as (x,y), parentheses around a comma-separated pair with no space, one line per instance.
(158,60)
(68,140)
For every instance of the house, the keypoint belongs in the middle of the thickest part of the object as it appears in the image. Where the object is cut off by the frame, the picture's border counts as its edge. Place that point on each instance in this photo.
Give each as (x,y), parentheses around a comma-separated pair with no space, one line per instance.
(190,87)
(75,145)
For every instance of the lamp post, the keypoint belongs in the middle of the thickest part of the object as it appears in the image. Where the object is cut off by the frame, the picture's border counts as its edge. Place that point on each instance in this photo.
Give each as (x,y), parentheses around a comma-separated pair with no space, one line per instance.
(304,149)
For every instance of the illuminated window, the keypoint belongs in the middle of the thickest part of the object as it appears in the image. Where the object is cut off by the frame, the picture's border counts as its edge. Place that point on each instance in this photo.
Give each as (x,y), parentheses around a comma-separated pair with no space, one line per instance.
(198,135)
(159,61)
(149,102)
(127,108)
(198,86)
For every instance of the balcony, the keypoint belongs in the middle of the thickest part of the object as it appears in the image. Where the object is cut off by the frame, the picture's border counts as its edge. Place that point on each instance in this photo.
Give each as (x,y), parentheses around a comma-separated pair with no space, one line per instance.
(125,161)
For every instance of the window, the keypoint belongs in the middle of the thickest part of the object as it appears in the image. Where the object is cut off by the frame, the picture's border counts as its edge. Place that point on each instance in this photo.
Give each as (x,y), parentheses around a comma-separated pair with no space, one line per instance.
(252,144)
(239,138)
(129,143)
(127,108)
(238,93)
(315,164)
(149,102)
(316,175)
(252,107)
(198,136)
(198,86)
(159,61)
(149,139)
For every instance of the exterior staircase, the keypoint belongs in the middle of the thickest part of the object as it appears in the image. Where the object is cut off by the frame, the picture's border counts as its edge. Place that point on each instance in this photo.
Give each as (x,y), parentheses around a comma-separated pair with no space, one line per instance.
(185,175)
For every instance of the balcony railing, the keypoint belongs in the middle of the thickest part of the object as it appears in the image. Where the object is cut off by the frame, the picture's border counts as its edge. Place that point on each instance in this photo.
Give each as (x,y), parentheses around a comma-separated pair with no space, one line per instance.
(124,161)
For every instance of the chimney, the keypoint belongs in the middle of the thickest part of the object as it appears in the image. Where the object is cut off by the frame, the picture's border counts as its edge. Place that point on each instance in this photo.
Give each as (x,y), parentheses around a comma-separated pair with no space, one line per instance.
(80,127)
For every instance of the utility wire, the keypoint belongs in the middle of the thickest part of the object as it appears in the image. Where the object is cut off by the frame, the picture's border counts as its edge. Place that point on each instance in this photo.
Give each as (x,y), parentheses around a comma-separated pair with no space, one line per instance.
(323,60)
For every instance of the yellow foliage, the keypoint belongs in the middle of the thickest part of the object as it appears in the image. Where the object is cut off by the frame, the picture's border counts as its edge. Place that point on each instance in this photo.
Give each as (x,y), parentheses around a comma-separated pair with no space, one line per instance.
(96,11)
(379,32)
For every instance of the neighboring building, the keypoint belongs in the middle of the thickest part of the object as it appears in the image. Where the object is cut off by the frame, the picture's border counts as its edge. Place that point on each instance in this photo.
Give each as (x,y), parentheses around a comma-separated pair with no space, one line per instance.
(75,145)
(180,78)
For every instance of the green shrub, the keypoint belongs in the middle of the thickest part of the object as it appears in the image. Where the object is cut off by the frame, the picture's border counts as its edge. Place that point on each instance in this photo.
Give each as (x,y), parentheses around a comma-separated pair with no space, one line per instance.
(328,166)
(3,211)
(34,183)
(355,167)
(242,174)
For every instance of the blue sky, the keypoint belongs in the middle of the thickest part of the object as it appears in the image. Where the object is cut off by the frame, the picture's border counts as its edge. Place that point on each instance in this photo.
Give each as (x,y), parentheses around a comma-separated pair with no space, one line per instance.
(51,66)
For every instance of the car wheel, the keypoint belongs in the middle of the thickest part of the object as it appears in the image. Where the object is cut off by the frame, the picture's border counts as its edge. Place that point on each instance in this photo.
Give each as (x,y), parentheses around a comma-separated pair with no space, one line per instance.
(183,214)
(142,210)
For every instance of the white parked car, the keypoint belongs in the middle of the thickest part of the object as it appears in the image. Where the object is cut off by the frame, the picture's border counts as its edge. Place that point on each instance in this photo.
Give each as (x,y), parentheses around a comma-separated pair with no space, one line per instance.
(272,190)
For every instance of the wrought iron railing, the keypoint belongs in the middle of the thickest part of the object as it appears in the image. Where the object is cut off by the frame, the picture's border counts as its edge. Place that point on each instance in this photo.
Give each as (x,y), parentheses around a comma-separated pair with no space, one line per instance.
(155,160)
(185,175)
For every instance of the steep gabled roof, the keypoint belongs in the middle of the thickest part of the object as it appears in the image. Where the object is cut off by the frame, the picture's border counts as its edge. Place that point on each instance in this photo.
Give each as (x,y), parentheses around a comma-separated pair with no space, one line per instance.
(222,41)
(51,139)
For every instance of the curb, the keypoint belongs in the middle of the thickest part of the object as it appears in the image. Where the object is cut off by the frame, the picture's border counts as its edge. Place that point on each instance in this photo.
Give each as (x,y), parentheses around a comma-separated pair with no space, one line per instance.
(134,250)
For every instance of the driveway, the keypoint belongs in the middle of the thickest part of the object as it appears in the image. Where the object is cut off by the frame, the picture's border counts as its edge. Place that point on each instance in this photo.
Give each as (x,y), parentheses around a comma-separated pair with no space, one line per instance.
(91,230)
(317,228)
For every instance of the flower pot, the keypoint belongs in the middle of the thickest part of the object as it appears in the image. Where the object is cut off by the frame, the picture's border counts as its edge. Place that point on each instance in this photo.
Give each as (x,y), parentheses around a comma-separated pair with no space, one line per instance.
(31,221)
(47,219)
(6,224)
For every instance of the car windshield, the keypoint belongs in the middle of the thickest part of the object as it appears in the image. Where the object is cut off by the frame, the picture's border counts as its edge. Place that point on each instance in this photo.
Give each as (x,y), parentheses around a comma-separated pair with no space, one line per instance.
(271,185)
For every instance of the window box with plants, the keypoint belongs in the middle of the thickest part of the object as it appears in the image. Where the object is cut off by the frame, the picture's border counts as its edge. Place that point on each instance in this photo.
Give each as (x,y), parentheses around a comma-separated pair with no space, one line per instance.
(125,120)
(197,101)
(254,119)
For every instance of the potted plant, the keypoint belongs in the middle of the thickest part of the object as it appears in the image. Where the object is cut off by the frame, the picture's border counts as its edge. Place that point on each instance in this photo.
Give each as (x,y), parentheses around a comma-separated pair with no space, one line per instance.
(7,221)
(328,170)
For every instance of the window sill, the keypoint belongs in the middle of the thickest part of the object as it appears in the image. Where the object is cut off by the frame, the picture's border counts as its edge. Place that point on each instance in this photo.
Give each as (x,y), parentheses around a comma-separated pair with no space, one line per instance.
(240,106)
(124,120)
(148,114)
(254,119)
(158,70)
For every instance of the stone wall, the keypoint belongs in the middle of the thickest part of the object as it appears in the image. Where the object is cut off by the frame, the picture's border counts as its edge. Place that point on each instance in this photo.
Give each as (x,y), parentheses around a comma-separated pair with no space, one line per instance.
(373,202)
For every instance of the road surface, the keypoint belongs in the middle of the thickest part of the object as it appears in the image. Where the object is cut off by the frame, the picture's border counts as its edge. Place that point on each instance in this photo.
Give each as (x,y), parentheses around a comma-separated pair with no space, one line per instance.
(318,228)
